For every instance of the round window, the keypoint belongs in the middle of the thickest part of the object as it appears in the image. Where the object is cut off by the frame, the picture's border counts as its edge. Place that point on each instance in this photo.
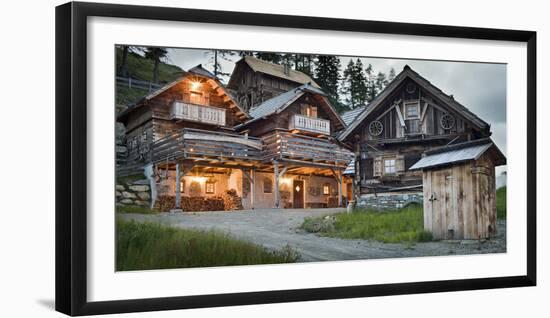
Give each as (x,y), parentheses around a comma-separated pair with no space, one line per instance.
(447,121)
(376,128)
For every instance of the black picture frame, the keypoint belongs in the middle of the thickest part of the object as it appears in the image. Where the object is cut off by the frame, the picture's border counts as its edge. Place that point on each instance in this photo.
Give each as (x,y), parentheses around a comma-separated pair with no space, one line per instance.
(71,157)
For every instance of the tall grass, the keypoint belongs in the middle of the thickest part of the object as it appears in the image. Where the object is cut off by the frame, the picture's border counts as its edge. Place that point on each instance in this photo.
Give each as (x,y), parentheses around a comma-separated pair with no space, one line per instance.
(403,225)
(141,246)
(501,203)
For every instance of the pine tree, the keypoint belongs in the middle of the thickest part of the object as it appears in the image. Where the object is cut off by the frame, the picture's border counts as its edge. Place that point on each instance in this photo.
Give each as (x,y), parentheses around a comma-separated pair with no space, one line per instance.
(391,75)
(361,84)
(327,75)
(354,85)
(380,83)
(276,58)
(216,56)
(371,83)
(156,54)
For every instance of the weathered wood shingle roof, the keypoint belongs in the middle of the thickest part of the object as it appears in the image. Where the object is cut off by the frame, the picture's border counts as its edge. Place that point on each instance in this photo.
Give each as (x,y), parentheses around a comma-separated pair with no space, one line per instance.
(277,70)
(350,115)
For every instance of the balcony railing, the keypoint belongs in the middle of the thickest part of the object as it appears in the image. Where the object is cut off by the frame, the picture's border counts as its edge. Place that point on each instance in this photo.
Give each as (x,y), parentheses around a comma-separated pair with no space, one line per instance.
(311,124)
(290,147)
(198,113)
(203,144)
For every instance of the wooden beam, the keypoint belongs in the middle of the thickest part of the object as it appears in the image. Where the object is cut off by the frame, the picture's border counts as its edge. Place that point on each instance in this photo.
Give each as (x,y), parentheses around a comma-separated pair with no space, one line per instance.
(178,189)
(424,111)
(281,174)
(395,104)
(399,115)
(252,186)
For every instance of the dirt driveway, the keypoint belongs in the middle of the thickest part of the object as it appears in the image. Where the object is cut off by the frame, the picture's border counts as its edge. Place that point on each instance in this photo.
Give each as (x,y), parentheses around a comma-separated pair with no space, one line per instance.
(276,228)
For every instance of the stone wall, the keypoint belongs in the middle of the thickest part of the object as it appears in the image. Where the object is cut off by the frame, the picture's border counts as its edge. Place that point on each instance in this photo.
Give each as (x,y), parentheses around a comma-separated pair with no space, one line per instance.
(389,201)
(135,192)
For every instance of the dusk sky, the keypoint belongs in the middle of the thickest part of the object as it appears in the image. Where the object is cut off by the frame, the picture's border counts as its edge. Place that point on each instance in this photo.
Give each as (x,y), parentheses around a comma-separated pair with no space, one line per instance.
(481,87)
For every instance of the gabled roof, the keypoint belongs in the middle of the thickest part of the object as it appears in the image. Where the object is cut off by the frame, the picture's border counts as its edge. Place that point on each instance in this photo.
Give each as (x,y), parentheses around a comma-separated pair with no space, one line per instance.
(350,115)
(258,65)
(279,102)
(457,153)
(424,83)
(195,71)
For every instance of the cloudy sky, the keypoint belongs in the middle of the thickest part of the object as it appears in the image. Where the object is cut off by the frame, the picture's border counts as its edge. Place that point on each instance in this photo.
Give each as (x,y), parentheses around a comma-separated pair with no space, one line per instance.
(481,87)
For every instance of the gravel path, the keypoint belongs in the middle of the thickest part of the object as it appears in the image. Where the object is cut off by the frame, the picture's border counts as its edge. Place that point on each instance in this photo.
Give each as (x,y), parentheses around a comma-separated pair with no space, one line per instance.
(276,228)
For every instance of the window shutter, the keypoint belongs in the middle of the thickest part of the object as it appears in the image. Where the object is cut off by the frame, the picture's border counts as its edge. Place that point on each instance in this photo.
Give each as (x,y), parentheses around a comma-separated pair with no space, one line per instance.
(400,163)
(377,169)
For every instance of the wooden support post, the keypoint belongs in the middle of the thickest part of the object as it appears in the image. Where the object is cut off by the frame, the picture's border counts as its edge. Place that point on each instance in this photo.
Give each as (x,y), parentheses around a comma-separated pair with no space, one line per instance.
(340,181)
(178,185)
(276,174)
(250,178)
(338,177)
(252,186)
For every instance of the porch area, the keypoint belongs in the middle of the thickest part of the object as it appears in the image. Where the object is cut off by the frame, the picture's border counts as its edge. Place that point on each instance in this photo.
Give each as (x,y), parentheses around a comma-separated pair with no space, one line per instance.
(282,170)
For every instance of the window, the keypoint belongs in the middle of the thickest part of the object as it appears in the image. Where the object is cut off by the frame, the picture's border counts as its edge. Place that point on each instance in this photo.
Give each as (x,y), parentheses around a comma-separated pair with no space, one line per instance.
(196,98)
(182,186)
(389,166)
(412,111)
(268,185)
(326,189)
(308,110)
(210,187)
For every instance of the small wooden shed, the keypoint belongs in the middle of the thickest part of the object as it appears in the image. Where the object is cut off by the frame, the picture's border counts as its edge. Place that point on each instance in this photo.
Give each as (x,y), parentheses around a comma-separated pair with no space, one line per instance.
(459,189)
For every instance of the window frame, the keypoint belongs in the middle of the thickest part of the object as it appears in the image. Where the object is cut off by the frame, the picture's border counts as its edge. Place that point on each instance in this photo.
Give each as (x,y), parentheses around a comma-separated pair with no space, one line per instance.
(208,183)
(326,189)
(386,166)
(416,105)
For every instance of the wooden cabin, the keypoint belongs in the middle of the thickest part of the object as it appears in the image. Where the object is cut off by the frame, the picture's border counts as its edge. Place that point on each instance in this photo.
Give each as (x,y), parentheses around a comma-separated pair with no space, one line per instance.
(297,129)
(255,81)
(390,134)
(459,189)
(197,142)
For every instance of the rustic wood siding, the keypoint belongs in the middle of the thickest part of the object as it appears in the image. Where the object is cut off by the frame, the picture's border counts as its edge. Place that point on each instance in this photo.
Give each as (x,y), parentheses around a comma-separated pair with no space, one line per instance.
(459,201)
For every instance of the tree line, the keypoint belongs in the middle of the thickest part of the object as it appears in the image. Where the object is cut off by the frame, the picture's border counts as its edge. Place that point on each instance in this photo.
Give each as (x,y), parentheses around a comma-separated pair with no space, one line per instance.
(354,86)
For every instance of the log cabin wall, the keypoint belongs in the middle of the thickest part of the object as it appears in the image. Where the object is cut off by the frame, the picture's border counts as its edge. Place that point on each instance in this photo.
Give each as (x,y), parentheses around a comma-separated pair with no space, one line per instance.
(411,123)
(152,122)
(255,88)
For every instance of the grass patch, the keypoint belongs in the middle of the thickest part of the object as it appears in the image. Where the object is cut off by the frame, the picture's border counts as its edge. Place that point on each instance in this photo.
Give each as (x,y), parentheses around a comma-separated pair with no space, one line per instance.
(129,96)
(501,203)
(135,209)
(403,225)
(141,246)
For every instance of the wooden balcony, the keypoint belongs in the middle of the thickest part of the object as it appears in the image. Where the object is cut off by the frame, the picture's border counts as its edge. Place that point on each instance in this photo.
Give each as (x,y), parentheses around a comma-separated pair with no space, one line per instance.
(207,146)
(301,149)
(197,113)
(310,124)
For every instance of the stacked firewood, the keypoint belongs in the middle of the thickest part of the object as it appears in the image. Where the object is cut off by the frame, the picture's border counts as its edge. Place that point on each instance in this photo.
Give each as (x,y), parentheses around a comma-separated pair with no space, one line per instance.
(232,201)
(213,204)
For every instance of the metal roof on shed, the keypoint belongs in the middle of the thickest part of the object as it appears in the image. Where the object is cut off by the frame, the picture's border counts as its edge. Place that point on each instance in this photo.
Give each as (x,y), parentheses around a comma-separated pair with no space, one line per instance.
(472,152)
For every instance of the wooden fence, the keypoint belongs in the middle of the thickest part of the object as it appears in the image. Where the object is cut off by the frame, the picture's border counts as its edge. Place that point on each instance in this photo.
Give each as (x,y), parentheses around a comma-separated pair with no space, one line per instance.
(137,84)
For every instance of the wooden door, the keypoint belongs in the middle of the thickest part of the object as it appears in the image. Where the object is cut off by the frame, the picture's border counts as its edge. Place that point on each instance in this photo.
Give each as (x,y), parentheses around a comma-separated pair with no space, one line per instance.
(298,194)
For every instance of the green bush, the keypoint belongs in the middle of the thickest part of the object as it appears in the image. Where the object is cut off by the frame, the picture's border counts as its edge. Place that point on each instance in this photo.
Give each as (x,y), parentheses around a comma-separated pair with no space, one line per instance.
(501,203)
(142,246)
